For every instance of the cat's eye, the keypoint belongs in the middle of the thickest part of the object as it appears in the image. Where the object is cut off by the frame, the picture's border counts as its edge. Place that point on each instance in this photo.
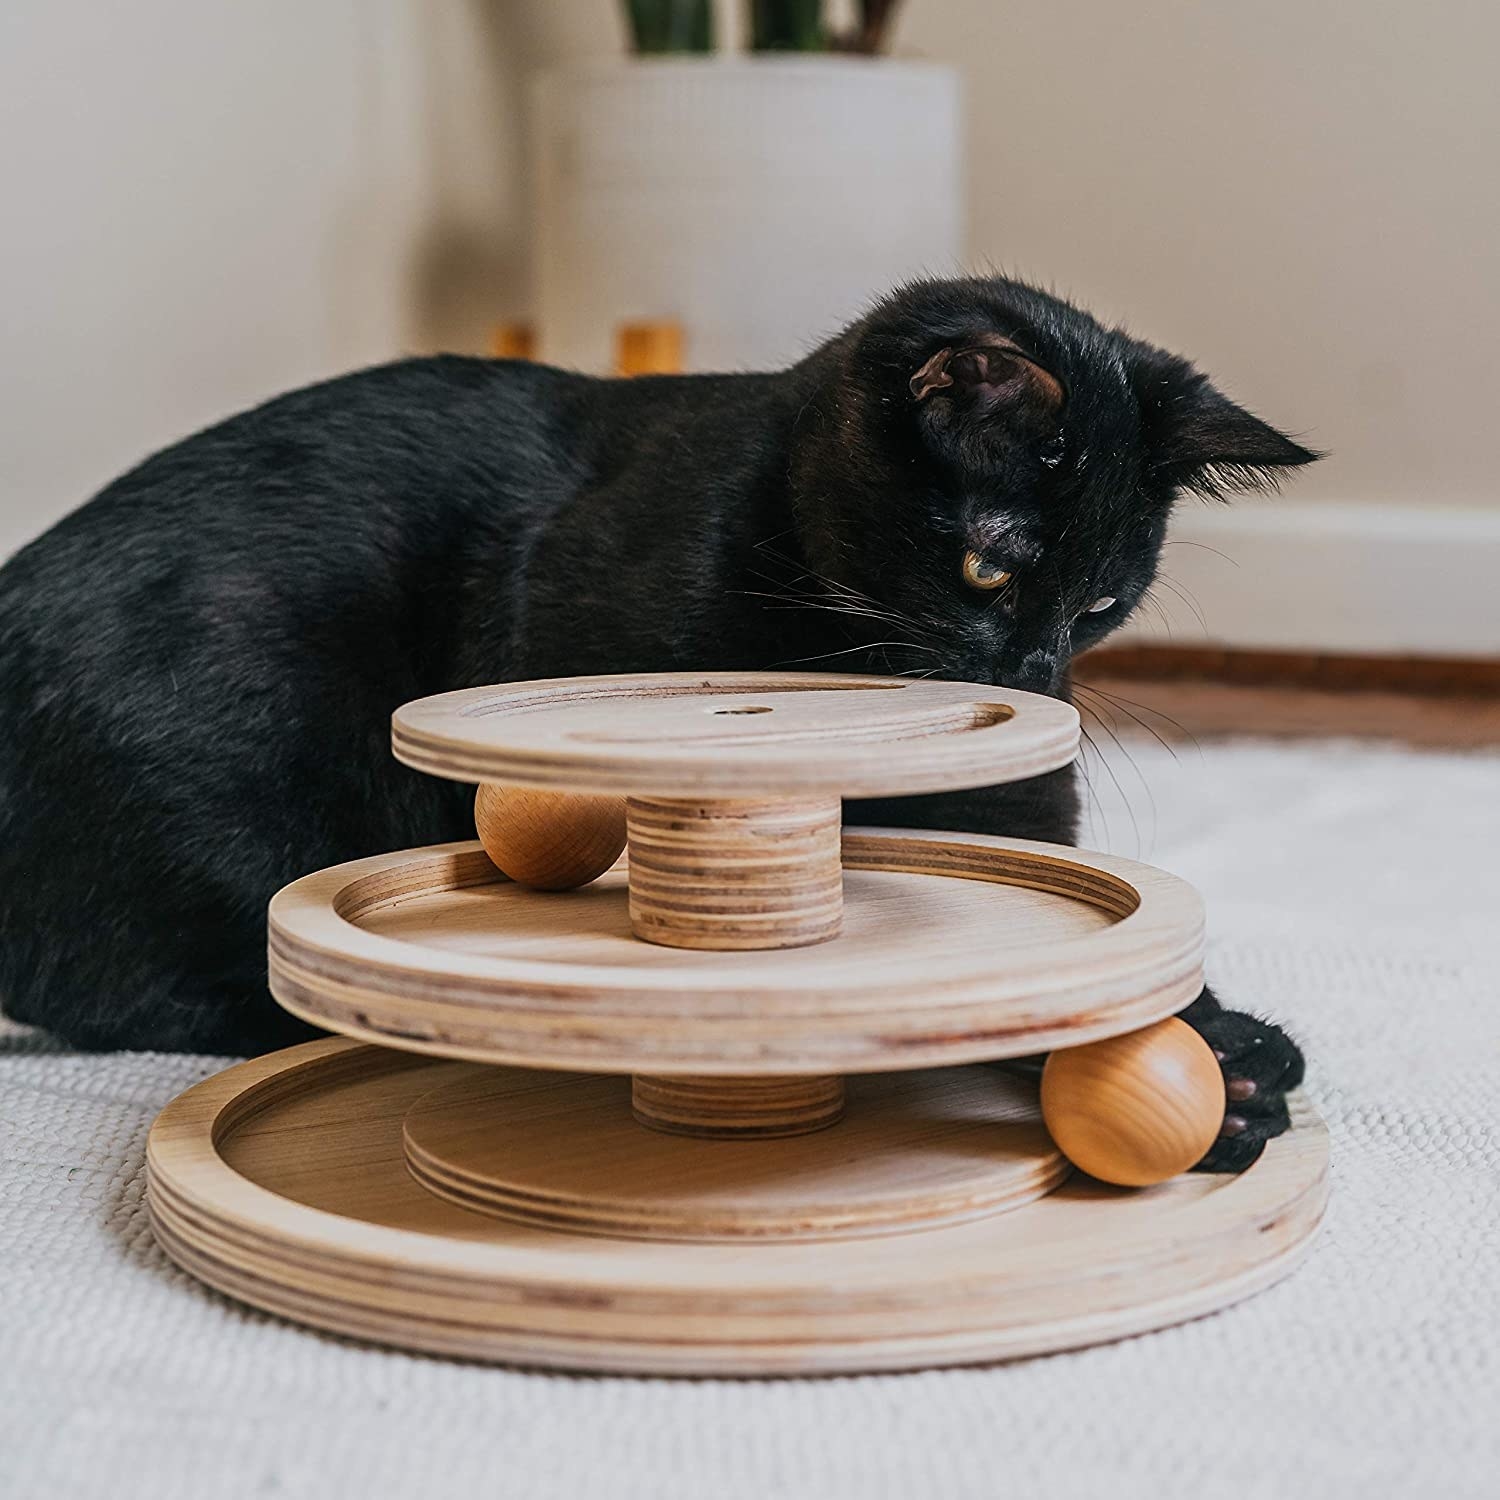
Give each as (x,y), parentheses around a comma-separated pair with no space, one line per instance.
(980,573)
(1102,603)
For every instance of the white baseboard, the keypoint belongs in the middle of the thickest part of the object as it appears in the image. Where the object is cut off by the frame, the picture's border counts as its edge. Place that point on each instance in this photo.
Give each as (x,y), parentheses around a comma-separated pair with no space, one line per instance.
(1353,578)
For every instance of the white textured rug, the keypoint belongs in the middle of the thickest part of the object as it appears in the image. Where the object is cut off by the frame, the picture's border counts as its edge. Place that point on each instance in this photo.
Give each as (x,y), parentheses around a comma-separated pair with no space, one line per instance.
(1351,893)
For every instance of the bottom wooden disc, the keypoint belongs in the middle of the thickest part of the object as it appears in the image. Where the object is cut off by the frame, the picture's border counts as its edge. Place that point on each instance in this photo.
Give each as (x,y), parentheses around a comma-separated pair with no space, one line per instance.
(283,1182)
(563,1150)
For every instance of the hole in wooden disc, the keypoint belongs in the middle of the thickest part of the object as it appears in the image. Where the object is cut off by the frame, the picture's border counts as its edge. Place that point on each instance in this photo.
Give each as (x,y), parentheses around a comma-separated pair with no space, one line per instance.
(758,709)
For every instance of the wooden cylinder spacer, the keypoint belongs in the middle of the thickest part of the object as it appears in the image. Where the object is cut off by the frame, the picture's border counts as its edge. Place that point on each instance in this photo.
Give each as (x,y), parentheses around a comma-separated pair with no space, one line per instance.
(735,875)
(737,1108)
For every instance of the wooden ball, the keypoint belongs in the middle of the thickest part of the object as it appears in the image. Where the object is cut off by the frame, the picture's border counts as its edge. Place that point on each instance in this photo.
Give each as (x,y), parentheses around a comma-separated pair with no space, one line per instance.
(1135,1109)
(551,841)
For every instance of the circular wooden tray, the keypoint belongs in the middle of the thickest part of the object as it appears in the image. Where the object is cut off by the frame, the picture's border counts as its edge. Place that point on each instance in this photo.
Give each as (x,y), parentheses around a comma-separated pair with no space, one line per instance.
(737,734)
(284,1183)
(565,1150)
(955,949)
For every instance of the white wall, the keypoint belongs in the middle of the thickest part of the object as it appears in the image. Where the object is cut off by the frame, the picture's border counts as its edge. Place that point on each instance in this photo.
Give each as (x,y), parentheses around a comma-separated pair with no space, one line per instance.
(207,203)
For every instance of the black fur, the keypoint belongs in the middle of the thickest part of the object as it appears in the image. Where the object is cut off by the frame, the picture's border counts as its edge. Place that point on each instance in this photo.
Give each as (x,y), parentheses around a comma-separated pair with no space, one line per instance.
(198,667)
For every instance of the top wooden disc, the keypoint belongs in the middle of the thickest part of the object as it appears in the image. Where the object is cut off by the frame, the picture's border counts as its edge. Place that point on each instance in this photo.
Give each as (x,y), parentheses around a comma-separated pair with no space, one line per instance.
(730,734)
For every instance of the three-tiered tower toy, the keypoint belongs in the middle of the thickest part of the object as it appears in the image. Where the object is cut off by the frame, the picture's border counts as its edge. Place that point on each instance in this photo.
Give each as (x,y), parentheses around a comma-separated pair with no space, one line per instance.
(726,1108)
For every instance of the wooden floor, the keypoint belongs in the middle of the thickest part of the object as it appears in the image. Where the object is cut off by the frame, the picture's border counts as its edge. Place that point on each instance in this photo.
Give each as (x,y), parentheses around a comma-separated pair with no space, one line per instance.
(1178,708)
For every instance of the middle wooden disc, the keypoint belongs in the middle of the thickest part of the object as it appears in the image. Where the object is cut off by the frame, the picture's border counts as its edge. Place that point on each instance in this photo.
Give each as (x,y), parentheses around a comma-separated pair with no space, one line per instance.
(562,1150)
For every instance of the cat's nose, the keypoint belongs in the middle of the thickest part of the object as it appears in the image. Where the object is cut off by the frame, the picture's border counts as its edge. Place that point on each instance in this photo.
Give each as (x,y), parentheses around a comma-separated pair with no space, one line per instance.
(1036,672)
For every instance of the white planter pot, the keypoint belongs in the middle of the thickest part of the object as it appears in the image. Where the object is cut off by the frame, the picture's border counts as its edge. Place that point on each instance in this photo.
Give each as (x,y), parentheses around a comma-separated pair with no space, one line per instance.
(759,203)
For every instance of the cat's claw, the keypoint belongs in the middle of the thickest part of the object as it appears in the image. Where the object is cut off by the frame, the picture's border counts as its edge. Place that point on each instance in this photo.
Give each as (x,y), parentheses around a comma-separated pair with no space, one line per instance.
(1261,1065)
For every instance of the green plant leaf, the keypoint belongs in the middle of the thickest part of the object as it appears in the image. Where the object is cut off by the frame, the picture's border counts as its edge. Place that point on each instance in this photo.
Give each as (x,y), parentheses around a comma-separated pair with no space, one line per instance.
(658,26)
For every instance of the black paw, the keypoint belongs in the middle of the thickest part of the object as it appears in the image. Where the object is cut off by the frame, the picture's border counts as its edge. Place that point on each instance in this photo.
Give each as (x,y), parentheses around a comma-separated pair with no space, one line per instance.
(1261,1064)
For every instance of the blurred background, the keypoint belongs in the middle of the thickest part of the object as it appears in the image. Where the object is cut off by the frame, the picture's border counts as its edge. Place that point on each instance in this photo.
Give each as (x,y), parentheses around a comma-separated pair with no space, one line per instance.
(206,204)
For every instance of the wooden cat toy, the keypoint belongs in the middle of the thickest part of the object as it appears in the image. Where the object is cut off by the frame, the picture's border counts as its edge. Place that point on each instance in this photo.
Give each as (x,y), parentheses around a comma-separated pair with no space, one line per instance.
(723,1107)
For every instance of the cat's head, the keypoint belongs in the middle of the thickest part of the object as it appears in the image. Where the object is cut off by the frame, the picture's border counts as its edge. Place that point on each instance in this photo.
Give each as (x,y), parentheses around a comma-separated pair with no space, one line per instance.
(992,470)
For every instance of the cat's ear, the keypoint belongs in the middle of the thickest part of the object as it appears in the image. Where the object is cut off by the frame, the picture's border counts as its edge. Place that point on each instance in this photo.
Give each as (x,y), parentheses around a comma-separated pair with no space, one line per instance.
(1198,439)
(990,374)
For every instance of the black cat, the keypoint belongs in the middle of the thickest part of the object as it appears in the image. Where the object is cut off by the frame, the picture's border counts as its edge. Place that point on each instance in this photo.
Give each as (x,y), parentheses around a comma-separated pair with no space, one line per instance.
(197,669)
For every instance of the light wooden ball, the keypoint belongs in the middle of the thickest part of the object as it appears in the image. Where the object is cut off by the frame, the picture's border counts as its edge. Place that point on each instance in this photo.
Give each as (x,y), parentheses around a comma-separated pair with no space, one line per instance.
(551,841)
(1135,1109)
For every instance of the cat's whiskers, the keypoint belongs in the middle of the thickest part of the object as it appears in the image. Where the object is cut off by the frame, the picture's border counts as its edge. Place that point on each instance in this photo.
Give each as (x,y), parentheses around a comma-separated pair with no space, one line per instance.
(1187,597)
(835,586)
(1162,617)
(804,601)
(1124,706)
(1109,771)
(1179,541)
(1092,794)
(838,598)
(1103,721)
(850,650)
